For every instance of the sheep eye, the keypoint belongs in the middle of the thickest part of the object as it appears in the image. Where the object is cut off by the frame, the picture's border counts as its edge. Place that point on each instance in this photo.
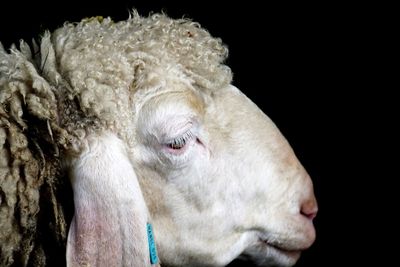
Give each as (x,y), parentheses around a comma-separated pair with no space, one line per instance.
(180,142)
(177,144)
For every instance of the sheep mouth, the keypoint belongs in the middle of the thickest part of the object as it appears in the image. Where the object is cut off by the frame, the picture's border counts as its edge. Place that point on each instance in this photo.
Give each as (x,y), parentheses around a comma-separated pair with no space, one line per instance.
(289,252)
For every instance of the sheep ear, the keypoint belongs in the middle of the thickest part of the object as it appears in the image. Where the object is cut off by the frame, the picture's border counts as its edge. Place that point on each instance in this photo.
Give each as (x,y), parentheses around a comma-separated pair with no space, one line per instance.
(110,224)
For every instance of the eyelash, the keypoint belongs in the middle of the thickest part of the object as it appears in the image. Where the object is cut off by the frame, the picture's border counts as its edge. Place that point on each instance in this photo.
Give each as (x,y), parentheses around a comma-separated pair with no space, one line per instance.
(180,142)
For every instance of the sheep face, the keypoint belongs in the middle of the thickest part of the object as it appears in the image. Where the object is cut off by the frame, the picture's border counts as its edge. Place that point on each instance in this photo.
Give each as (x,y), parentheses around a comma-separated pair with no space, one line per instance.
(220,180)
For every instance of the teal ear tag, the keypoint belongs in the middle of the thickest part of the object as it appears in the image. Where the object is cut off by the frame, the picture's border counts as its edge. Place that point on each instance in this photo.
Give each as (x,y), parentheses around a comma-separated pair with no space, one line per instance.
(152,244)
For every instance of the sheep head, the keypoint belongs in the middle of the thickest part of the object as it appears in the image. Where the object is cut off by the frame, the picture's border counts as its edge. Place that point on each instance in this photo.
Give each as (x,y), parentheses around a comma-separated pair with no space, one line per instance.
(218,178)
(151,130)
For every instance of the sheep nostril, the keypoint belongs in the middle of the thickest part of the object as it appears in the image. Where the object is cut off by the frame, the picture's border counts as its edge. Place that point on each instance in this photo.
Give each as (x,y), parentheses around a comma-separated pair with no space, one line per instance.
(309,209)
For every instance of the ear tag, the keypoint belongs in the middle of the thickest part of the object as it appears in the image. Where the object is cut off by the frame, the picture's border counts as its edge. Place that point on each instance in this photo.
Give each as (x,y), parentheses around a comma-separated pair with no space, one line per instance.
(152,245)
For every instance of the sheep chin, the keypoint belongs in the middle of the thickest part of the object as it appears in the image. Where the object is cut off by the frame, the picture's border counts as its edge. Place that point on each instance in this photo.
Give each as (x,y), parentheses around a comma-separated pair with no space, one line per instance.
(266,254)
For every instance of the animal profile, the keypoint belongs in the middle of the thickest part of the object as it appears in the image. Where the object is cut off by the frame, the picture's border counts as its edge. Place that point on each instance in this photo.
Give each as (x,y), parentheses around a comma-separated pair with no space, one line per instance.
(168,162)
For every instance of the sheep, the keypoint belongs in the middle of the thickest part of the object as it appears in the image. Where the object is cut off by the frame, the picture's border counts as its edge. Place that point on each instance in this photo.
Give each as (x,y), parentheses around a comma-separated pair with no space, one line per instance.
(142,117)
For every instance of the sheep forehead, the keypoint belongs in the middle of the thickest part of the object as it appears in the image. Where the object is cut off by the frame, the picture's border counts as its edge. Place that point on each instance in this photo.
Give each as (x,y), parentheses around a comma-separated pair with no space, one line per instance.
(172,95)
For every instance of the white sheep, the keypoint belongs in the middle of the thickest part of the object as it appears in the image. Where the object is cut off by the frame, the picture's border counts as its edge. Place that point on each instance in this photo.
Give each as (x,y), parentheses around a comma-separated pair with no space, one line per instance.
(143,118)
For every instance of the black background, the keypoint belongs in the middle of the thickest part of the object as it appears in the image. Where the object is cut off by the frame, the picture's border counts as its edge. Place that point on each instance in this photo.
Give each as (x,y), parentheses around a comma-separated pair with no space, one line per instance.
(302,64)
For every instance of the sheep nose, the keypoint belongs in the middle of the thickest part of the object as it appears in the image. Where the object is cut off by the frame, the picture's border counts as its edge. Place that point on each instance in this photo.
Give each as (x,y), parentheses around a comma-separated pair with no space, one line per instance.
(309,208)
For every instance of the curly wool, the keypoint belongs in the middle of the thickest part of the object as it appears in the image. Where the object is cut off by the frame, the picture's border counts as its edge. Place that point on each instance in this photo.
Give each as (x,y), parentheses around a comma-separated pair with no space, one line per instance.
(27,163)
(120,58)
(83,78)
